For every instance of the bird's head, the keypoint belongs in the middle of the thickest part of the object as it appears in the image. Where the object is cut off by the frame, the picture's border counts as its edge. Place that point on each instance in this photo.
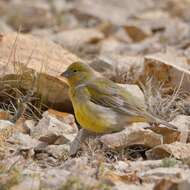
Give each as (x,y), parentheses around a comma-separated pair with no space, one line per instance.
(78,73)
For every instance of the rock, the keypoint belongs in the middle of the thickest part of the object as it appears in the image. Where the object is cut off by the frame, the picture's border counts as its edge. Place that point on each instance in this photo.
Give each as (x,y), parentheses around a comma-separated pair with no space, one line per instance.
(7,128)
(160,173)
(169,135)
(167,184)
(24,141)
(136,33)
(4,28)
(30,15)
(138,165)
(121,186)
(4,115)
(29,125)
(54,178)
(133,135)
(40,63)
(101,9)
(176,149)
(53,131)
(58,151)
(171,67)
(75,38)
(61,5)
(29,183)
(120,68)
(64,117)
(5,123)
(183,123)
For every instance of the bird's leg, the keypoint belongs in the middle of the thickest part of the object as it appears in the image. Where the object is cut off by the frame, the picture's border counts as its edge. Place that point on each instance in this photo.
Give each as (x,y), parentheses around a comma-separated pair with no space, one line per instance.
(76,143)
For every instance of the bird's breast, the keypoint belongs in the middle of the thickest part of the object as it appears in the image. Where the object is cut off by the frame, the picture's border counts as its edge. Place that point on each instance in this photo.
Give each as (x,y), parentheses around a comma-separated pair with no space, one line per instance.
(95,118)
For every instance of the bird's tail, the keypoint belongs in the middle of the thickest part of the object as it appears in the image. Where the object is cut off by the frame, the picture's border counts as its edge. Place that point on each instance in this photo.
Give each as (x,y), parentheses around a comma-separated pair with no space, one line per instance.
(152,118)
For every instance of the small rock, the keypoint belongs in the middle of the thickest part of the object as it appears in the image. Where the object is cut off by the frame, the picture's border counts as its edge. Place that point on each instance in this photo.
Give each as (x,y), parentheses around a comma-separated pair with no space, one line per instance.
(29,125)
(58,151)
(54,178)
(64,117)
(5,124)
(4,28)
(183,123)
(30,15)
(29,183)
(23,140)
(75,38)
(53,131)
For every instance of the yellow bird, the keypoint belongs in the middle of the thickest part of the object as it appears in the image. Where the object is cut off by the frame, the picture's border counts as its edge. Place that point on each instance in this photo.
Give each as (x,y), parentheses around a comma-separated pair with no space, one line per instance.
(102,106)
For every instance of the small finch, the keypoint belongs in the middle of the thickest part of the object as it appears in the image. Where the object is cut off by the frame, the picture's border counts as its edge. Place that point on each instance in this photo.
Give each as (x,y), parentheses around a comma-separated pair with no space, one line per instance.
(100,105)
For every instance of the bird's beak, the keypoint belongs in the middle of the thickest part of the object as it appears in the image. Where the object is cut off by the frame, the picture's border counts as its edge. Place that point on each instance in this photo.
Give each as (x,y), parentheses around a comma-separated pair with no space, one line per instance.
(64,77)
(65,74)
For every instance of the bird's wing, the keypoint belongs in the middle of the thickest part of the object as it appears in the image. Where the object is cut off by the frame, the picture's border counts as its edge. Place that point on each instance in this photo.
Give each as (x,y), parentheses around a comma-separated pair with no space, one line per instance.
(106,93)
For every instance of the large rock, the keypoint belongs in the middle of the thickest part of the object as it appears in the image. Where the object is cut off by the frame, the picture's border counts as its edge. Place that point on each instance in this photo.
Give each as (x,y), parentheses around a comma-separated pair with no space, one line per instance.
(35,64)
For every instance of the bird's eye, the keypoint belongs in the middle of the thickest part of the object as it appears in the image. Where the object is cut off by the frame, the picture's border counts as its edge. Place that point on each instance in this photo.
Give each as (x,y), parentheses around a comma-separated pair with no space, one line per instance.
(74,71)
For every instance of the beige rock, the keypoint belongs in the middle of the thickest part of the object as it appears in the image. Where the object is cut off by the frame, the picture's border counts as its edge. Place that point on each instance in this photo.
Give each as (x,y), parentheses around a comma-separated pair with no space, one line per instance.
(133,135)
(138,165)
(169,135)
(30,15)
(177,149)
(183,123)
(121,186)
(160,172)
(64,117)
(121,68)
(74,39)
(35,64)
(29,183)
(115,11)
(58,151)
(23,141)
(53,131)
(5,123)
(170,67)
(29,125)
(54,178)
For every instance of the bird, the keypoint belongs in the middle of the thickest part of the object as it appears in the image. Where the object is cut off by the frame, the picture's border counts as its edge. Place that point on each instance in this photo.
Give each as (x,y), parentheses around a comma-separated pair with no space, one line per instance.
(102,106)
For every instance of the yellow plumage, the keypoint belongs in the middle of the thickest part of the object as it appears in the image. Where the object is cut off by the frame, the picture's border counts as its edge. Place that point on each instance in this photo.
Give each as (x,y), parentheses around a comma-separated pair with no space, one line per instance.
(100,105)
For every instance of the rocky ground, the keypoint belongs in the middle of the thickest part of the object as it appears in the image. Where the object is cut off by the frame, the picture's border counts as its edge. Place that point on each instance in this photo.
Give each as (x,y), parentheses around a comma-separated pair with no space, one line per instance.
(142,45)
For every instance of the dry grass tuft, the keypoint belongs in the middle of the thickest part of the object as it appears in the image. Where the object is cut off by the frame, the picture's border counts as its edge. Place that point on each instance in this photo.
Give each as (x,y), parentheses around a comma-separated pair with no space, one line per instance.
(160,103)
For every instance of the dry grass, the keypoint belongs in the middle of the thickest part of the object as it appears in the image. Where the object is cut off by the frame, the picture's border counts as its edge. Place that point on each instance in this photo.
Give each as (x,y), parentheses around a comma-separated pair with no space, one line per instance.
(13,97)
(161,104)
